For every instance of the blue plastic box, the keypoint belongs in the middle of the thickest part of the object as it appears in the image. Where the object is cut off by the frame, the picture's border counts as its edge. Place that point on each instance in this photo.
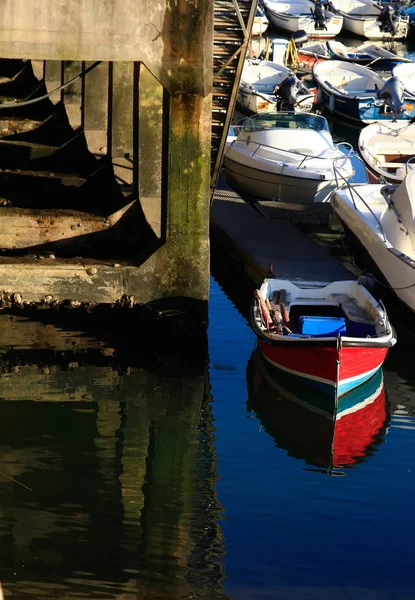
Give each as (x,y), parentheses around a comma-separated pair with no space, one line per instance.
(322,326)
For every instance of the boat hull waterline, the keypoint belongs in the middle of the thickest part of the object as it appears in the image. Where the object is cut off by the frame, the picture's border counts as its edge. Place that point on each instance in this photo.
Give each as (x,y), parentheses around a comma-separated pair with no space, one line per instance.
(329,370)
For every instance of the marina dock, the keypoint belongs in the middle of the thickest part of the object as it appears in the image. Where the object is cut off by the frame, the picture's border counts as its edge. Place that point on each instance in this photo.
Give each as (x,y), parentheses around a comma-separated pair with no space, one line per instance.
(264,233)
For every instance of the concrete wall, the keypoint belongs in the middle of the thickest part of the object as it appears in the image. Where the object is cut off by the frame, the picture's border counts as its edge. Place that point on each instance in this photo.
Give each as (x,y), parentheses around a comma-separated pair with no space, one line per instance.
(172,38)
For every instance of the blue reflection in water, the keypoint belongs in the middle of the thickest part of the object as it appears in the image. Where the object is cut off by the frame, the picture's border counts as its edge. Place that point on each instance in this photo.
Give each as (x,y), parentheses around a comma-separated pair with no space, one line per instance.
(289,531)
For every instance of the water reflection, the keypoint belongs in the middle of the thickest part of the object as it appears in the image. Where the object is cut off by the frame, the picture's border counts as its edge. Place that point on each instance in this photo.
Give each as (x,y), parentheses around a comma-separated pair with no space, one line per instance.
(303,422)
(107,471)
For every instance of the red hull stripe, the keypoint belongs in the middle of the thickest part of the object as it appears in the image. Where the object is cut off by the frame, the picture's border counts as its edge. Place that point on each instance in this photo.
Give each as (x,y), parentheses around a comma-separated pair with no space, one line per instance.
(355,361)
(317,362)
(321,364)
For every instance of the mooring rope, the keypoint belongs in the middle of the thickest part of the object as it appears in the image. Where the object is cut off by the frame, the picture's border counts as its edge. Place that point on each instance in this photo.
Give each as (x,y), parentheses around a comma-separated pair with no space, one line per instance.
(55,91)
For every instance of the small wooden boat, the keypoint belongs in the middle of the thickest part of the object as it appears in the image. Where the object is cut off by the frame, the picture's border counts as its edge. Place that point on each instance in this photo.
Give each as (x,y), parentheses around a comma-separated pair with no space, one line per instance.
(257,90)
(387,150)
(381,217)
(308,425)
(368,19)
(285,156)
(332,337)
(304,15)
(356,92)
(260,24)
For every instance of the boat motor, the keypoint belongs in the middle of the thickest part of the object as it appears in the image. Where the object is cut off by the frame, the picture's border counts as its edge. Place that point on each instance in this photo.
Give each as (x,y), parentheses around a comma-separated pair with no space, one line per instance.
(388,19)
(392,93)
(319,14)
(288,90)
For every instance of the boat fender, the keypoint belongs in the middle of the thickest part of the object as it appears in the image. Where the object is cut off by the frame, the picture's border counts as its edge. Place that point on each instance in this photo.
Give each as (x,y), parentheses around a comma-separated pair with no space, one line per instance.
(332,102)
(319,95)
(264,310)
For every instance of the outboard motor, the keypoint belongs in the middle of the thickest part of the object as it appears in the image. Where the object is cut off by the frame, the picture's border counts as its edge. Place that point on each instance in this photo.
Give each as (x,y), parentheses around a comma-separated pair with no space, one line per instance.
(288,91)
(319,14)
(389,19)
(392,92)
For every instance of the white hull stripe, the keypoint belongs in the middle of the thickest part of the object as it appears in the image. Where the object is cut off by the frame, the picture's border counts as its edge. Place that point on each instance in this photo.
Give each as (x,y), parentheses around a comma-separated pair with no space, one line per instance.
(300,373)
(356,407)
(356,377)
(341,383)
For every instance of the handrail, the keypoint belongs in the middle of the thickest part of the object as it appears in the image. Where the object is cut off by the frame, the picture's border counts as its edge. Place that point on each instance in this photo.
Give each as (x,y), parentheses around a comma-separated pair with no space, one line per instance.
(261,145)
(352,190)
(407,163)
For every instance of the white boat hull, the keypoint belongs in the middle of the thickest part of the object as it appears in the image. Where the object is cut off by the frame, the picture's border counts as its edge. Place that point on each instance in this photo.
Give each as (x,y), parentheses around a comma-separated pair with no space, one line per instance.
(370,29)
(276,186)
(398,272)
(259,26)
(293,23)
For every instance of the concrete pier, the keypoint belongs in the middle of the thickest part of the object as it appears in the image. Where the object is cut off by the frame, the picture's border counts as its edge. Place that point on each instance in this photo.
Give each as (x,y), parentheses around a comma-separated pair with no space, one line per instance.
(135,136)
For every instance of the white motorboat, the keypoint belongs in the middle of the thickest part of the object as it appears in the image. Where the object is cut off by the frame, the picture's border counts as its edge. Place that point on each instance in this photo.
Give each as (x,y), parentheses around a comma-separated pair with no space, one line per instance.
(285,156)
(381,216)
(364,54)
(296,15)
(387,150)
(257,90)
(356,92)
(370,19)
(406,74)
(260,24)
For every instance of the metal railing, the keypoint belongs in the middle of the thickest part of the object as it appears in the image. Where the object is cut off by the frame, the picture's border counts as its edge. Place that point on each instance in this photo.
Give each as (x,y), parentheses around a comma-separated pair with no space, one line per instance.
(259,145)
(352,189)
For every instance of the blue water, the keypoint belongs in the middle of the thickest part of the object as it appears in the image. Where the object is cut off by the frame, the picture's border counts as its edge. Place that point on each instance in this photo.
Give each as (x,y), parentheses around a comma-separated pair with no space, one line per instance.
(291,531)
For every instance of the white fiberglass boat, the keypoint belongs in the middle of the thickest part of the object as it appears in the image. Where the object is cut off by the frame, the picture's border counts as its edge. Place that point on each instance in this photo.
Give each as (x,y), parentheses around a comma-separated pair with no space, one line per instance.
(260,24)
(356,92)
(296,15)
(382,217)
(370,19)
(364,54)
(257,91)
(406,74)
(387,150)
(285,156)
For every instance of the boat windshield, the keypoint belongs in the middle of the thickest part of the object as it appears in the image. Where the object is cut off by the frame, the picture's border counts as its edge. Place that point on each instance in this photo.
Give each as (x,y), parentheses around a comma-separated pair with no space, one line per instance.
(286,121)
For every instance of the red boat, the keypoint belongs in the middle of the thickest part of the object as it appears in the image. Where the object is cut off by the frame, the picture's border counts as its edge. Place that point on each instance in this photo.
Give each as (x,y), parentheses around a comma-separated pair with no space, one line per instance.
(304,423)
(332,337)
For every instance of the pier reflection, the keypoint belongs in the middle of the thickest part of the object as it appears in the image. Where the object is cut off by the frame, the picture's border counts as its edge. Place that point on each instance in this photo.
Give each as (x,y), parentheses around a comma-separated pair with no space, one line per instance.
(107,468)
(303,422)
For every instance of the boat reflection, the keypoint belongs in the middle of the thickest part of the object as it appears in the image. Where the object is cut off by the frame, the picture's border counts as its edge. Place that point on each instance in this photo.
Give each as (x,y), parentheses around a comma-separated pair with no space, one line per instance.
(303,422)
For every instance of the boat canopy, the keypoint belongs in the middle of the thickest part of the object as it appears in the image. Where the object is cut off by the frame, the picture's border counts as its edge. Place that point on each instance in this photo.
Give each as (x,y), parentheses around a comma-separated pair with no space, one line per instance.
(286,121)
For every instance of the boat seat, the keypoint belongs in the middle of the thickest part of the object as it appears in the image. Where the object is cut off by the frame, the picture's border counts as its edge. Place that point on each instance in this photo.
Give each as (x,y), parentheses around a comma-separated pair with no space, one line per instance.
(352,309)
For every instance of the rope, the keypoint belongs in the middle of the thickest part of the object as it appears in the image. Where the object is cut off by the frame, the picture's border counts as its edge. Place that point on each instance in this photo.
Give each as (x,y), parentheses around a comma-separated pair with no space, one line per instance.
(45,96)
(368,274)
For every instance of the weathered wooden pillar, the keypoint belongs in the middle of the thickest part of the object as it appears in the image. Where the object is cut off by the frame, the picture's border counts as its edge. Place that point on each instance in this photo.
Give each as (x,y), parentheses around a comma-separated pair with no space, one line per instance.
(95,108)
(183,261)
(53,78)
(122,125)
